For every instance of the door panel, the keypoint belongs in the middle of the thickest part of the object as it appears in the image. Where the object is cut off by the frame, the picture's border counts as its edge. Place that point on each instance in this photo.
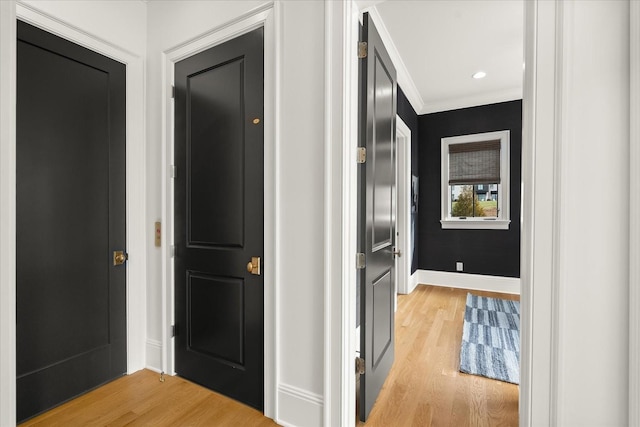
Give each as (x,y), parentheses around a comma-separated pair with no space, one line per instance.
(216,212)
(376,217)
(219,218)
(71,321)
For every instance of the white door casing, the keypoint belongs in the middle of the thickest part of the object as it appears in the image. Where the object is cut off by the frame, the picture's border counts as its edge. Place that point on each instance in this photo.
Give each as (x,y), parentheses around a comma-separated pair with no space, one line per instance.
(403,217)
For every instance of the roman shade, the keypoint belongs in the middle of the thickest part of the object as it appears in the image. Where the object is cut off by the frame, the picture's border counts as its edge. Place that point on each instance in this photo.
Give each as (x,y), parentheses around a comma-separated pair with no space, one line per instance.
(474,163)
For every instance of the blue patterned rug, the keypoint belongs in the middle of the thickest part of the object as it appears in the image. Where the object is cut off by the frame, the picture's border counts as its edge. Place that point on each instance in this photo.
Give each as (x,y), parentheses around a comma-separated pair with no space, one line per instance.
(491,339)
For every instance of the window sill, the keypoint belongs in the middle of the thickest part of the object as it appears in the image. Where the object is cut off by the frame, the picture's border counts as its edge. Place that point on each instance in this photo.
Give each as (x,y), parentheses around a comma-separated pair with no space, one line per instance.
(475,224)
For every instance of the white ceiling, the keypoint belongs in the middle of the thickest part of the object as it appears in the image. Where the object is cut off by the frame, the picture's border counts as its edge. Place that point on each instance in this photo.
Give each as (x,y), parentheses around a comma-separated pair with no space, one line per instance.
(440,44)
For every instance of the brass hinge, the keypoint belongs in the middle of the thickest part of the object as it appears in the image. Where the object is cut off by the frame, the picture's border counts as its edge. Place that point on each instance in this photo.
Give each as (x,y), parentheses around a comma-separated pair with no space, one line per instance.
(360,261)
(360,365)
(362,155)
(173,331)
(173,171)
(362,50)
(173,92)
(173,251)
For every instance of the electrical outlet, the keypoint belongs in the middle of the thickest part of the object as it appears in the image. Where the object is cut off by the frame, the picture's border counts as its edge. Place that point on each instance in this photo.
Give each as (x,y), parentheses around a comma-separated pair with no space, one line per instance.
(459,266)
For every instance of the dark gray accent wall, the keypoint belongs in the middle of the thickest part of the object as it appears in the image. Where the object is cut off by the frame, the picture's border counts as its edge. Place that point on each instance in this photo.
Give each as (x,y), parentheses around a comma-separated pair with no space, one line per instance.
(488,252)
(410,118)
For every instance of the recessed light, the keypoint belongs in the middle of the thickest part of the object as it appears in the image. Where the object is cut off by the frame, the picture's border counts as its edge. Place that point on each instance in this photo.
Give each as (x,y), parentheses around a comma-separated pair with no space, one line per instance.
(480,75)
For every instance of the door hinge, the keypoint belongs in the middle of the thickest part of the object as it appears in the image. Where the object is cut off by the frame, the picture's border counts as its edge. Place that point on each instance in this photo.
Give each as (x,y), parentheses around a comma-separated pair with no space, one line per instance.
(173,331)
(360,365)
(360,261)
(173,251)
(173,92)
(363,50)
(173,171)
(362,155)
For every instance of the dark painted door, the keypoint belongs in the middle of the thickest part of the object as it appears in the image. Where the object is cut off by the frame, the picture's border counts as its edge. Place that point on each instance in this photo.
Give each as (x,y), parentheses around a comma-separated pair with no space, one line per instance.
(71,299)
(376,220)
(219,218)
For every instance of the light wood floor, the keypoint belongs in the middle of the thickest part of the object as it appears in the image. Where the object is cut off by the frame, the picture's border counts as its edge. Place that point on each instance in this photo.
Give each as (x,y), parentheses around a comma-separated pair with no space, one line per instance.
(424,387)
(141,399)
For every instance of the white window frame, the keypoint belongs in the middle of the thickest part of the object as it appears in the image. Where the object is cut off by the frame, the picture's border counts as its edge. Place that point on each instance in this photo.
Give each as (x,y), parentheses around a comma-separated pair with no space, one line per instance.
(504,219)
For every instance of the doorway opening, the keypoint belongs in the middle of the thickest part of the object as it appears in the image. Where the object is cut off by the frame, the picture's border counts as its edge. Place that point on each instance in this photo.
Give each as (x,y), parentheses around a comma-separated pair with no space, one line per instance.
(387,19)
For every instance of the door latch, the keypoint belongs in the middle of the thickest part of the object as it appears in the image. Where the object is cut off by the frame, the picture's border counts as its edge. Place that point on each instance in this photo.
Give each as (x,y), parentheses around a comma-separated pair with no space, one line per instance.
(253,266)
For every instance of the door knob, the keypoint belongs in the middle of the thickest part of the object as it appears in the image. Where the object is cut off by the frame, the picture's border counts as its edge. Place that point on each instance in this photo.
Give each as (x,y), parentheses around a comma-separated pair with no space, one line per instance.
(119,257)
(397,253)
(253,266)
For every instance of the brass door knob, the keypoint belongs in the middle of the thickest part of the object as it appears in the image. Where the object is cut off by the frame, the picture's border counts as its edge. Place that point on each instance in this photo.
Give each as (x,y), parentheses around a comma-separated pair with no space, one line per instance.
(249,266)
(119,257)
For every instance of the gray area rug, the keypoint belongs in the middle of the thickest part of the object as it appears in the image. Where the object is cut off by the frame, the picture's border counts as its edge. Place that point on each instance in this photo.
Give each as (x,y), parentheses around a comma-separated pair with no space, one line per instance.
(491,339)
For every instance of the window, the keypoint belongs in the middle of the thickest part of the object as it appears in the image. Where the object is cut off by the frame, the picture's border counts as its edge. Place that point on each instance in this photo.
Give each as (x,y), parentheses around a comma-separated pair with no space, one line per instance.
(475,181)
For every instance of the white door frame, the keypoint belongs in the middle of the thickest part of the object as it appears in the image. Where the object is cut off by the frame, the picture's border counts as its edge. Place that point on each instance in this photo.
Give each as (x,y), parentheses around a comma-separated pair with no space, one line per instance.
(135,188)
(8,213)
(634,226)
(403,217)
(268,17)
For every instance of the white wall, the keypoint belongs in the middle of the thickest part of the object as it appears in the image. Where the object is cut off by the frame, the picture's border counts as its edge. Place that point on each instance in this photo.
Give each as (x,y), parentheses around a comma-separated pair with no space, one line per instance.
(120,22)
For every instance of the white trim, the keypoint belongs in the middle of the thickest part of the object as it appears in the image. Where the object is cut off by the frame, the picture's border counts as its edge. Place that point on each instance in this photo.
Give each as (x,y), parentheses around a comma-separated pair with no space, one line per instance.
(538,213)
(303,408)
(504,200)
(404,78)
(269,17)
(561,159)
(413,281)
(403,191)
(634,226)
(341,67)
(154,355)
(474,224)
(135,171)
(479,282)
(7,213)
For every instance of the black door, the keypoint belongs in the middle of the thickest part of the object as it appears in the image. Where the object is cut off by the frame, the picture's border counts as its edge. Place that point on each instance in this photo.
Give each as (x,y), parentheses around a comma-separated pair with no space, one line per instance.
(71,300)
(219,202)
(376,220)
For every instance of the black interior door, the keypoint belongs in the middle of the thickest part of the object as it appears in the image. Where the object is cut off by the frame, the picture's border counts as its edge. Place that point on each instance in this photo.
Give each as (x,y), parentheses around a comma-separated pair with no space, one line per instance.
(71,300)
(219,204)
(376,219)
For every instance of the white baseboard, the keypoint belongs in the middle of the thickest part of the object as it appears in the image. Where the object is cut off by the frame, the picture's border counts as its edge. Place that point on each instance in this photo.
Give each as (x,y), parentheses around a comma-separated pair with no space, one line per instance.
(298,407)
(154,355)
(479,282)
(413,281)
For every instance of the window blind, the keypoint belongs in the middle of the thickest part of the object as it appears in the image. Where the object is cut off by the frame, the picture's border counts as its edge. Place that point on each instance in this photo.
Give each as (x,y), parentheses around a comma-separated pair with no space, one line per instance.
(474,163)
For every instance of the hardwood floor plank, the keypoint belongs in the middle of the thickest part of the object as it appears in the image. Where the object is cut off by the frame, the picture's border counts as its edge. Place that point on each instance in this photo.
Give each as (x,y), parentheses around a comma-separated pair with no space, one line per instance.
(424,387)
(141,399)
